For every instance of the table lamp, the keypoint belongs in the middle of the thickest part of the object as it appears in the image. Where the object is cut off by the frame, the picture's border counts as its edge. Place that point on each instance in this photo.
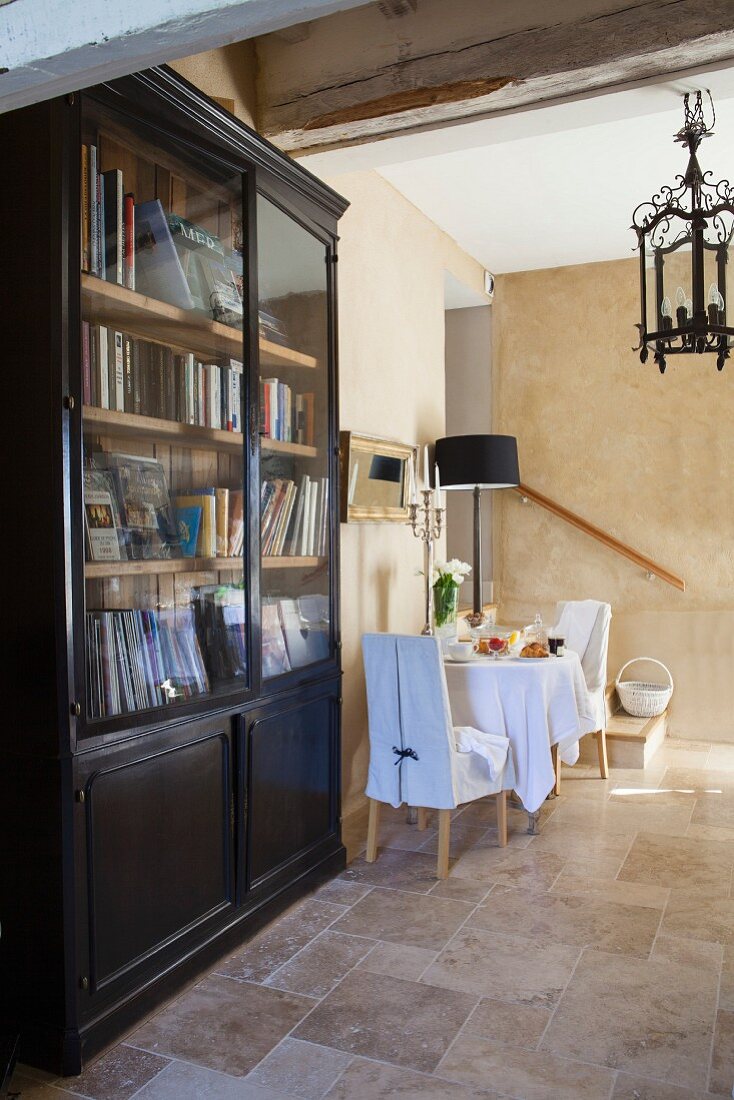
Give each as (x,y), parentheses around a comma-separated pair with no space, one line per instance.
(477,462)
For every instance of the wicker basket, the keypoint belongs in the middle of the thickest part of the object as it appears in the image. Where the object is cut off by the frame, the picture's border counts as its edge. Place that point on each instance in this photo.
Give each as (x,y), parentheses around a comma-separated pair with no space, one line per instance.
(640,697)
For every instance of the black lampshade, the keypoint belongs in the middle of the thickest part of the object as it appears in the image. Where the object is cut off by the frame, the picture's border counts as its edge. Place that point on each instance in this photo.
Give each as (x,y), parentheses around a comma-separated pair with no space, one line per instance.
(487,461)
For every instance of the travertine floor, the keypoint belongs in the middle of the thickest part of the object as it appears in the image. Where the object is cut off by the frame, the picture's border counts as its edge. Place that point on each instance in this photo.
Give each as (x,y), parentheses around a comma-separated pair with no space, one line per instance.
(592,962)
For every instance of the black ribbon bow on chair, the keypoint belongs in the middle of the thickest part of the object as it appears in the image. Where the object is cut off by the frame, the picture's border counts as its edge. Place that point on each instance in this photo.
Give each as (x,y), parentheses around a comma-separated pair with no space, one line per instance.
(401,755)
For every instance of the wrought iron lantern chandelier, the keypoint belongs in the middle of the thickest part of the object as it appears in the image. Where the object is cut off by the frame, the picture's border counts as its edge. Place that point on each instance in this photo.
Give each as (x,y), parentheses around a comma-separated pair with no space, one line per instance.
(683,235)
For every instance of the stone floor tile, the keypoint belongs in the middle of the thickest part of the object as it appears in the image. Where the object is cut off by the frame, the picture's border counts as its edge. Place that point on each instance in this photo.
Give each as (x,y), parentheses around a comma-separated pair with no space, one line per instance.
(374,1081)
(701,781)
(570,881)
(513,1025)
(570,919)
(699,915)
(398,834)
(532,1075)
(316,969)
(721,758)
(340,892)
(505,967)
(29,1088)
(182,1081)
(406,1023)
(721,1080)
(223,1024)
(630,1087)
(714,809)
(652,1017)
(399,917)
(688,952)
(462,838)
(709,832)
(681,863)
(634,796)
(414,871)
(300,1069)
(280,941)
(610,818)
(461,889)
(574,841)
(726,985)
(522,867)
(398,960)
(117,1075)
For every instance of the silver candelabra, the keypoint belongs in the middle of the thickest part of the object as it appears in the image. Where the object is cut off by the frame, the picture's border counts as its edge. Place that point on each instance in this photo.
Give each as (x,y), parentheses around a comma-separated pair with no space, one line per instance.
(428,529)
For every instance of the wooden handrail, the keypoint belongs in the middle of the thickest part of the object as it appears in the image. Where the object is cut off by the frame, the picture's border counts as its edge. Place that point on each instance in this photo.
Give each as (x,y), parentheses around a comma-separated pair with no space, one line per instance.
(601,536)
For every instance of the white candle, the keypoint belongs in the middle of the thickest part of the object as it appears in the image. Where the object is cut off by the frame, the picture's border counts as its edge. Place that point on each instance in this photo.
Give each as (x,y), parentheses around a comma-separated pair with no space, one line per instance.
(426,478)
(437,491)
(412,489)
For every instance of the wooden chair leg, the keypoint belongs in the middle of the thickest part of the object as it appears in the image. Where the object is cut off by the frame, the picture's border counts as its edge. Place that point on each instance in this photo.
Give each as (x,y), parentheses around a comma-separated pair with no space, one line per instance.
(501,801)
(373,828)
(556,756)
(444,838)
(601,745)
(422,818)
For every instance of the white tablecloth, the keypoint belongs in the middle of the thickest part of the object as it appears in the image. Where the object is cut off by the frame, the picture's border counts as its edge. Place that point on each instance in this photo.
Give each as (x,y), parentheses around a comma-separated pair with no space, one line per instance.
(536,704)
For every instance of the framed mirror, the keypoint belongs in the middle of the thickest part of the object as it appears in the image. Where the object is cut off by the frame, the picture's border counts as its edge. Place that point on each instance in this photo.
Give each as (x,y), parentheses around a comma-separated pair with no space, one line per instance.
(375,479)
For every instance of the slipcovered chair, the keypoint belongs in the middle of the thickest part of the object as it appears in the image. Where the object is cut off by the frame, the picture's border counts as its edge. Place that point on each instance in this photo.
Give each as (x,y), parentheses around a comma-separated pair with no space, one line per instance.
(584,625)
(416,755)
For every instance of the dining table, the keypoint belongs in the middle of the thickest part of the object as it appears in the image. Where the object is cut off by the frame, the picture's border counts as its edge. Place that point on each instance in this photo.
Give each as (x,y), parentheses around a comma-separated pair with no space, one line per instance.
(536,703)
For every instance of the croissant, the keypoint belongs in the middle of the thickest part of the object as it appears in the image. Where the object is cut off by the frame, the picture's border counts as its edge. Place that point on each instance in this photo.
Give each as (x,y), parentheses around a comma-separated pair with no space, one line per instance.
(534,649)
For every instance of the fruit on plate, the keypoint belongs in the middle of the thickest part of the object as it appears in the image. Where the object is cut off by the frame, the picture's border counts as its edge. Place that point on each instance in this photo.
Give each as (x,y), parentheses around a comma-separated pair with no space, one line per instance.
(497,644)
(514,638)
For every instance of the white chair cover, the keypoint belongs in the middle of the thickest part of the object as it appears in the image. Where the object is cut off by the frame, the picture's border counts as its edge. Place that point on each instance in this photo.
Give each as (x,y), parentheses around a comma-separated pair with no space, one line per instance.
(585,627)
(413,754)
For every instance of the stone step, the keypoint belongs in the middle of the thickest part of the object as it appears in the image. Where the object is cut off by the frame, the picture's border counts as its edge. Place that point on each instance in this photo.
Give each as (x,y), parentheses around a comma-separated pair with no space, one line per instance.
(631,742)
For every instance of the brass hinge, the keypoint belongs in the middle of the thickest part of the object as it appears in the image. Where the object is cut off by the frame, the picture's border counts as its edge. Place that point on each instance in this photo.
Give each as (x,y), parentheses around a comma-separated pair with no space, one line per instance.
(80,795)
(84,982)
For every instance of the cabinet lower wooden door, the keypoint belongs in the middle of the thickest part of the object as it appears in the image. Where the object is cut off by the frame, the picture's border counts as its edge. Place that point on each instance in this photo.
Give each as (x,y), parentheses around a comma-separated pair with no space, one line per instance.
(291,754)
(158,852)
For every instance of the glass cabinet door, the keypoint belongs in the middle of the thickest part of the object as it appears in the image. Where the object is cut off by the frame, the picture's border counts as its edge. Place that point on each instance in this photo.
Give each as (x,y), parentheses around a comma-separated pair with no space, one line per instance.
(294,438)
(162,385)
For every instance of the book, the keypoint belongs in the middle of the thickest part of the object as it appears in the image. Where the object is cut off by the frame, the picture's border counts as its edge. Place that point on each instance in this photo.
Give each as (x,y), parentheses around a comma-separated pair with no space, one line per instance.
(103,377)
(93,212)
(101,518)
(114,225)
(222,521)
(119,372)
(188,520)
(205,499)
(236,531)
(221,623)
(129,241)
(158,270)
(86,365)
(148,517)
(274,653)
(85,214)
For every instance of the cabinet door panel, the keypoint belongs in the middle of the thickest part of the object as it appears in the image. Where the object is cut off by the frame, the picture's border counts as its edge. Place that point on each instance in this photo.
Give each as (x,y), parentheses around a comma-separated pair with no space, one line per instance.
(290,783)
(159,851)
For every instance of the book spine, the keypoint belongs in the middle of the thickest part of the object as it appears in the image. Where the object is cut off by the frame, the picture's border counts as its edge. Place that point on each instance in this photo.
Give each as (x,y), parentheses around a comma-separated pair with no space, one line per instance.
(119,373)
(93,364)
(222,514)
(128,400)
(137,406)
(86,365)
(100,227)
(237,396)
(104,375)
(190,404)
(85,209)
(93,212)
(129,237)
(160,366)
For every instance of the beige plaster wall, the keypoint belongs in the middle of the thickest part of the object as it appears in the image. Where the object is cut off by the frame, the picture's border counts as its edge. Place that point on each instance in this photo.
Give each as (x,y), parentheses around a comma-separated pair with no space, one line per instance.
(469,412)
(644,456)
(391,368)
(226,73)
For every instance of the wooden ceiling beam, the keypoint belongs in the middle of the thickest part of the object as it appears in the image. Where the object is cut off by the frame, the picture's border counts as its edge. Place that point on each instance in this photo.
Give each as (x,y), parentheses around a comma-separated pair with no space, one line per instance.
(357,77)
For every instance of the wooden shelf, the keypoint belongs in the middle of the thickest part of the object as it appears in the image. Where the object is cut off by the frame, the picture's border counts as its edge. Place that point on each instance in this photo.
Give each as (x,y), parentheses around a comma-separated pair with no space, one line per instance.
(114,305)
(152,428)
(96,569)
(278,561)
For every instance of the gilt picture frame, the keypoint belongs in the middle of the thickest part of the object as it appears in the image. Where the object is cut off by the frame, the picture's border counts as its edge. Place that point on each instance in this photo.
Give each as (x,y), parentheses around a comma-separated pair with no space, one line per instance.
(375,478)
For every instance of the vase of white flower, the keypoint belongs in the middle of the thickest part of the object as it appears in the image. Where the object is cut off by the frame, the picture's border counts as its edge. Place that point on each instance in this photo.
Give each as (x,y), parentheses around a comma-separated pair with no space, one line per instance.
(446,579)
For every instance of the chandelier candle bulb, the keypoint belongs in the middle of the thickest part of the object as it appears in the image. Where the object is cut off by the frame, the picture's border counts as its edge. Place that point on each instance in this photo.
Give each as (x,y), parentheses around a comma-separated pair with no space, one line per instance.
(666,312)
(713,304)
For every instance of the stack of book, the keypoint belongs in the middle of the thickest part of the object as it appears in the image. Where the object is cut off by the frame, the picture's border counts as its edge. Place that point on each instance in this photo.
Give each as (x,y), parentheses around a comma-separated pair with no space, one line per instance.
(294,519)
(126,374)
(219,611)
(294,633)
(107,222)
(221,529)
(138,659)
(284,415)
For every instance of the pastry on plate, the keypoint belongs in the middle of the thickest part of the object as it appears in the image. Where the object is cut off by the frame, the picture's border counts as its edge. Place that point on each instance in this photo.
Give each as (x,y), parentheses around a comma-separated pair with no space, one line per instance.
(534,649)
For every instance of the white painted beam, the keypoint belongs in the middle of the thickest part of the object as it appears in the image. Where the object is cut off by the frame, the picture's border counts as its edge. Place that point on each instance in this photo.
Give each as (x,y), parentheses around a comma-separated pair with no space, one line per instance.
(49,47)
(359,77)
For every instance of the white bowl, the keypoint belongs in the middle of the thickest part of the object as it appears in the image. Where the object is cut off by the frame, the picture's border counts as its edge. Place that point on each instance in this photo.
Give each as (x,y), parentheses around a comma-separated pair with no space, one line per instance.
(461,651)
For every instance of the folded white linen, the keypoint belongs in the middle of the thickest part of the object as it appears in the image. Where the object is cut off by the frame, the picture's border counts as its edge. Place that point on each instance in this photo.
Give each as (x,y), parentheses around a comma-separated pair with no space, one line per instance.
(492,746)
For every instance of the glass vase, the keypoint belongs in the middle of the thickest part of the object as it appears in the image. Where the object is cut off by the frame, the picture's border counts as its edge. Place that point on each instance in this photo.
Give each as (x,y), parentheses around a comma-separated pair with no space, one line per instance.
(445,612)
